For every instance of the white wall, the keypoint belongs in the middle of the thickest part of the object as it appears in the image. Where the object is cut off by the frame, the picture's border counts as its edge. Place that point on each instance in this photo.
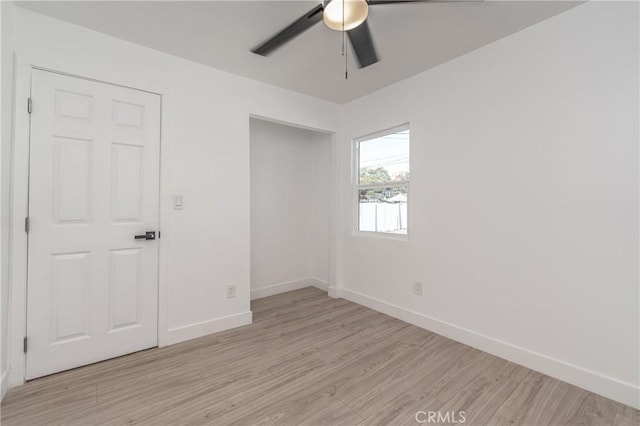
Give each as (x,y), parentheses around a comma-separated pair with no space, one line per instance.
(290,202)
(205,157)
(523,204)
(7,27)
(319,218)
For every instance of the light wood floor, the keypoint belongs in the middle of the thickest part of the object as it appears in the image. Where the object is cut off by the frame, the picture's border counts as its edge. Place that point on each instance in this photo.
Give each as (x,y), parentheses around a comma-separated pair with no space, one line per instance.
(308,359)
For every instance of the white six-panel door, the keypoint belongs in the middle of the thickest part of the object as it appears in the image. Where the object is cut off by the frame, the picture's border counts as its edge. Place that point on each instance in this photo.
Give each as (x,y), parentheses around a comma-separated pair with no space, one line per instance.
(93,186)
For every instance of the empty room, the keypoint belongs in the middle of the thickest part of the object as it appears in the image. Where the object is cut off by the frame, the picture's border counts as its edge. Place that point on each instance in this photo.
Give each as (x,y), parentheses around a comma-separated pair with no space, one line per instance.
(320,212)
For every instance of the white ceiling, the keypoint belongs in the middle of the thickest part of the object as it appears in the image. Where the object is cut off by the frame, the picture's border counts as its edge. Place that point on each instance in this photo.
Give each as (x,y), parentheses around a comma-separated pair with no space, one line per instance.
(410,38)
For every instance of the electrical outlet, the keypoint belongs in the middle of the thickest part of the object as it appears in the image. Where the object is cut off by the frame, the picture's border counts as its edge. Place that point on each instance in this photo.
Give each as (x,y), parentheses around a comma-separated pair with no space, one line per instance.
(231,291)
(417,288)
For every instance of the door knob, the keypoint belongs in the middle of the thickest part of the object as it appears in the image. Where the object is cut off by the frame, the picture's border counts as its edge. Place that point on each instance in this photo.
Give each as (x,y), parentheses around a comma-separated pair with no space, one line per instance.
(149,235)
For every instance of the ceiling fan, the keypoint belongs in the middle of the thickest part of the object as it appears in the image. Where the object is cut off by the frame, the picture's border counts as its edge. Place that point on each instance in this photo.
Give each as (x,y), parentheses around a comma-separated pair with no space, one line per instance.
(349,16)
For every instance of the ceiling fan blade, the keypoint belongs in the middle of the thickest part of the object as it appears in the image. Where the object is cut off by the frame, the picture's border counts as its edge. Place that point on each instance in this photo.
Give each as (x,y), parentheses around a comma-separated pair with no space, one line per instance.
(360,38)
(296,28)
(374,2)
(377,2)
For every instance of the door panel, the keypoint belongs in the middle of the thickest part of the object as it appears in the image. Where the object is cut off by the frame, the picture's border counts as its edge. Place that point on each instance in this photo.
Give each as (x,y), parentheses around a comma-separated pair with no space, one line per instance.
(73,105)
(70,302)
(126,182)
(72,171)
(93,186)
(125,287)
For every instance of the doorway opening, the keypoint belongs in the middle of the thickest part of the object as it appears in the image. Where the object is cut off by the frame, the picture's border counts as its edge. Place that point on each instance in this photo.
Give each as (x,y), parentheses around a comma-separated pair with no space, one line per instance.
(290,208)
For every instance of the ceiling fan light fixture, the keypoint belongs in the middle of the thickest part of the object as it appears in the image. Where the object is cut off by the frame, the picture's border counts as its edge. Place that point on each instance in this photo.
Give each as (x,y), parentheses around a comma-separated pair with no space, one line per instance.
(354,13)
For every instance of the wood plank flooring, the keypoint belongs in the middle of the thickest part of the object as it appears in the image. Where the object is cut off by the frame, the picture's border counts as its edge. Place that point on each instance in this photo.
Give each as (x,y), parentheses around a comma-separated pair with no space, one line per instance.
(309,359)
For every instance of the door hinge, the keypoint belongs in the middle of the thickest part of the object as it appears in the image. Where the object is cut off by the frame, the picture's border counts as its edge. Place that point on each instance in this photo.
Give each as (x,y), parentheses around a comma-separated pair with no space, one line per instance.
(29,105)
(158,234)
(24,344)
(26,225)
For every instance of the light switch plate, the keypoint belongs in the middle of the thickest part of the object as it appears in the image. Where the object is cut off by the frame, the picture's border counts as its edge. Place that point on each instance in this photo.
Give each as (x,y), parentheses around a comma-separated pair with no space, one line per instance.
(177,202)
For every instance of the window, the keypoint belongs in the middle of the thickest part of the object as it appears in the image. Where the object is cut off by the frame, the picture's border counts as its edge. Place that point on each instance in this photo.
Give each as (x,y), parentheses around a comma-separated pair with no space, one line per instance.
(383,182)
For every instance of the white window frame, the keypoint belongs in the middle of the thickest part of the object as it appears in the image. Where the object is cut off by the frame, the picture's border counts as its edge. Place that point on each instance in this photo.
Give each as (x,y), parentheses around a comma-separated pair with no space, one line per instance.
(355,175)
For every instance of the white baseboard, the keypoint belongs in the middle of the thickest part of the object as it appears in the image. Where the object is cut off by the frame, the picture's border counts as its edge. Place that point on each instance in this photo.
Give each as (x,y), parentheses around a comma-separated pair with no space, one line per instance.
(4,384)
(322,285)
(334,292)
(199,329)
(609,387)
(271,290)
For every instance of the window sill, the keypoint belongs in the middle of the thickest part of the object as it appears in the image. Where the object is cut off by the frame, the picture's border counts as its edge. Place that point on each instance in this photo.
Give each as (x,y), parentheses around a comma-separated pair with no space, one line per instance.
(381,235)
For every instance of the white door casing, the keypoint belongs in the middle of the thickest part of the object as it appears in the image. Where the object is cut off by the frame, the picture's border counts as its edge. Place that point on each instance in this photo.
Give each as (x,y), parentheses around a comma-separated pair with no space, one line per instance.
(93,185)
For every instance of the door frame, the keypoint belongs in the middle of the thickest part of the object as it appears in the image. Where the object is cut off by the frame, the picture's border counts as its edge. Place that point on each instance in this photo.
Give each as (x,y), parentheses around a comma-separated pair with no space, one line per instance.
(17,326)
